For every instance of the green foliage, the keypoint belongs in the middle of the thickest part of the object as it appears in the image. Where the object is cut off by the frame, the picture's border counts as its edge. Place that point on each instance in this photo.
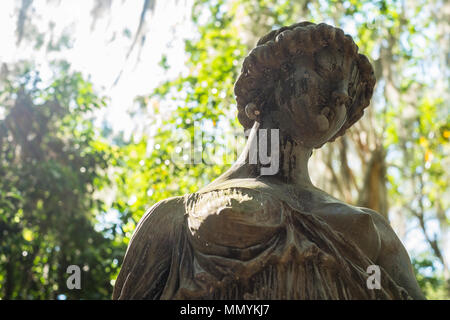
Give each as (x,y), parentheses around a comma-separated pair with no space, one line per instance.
(51,163)
(430,281)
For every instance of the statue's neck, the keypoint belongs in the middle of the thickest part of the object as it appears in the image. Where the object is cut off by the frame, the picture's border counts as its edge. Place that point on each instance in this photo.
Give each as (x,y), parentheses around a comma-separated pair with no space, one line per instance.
(279,158)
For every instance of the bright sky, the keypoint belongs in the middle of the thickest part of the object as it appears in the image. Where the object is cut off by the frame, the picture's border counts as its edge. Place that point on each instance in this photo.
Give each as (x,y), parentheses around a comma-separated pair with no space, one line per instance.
(95,54)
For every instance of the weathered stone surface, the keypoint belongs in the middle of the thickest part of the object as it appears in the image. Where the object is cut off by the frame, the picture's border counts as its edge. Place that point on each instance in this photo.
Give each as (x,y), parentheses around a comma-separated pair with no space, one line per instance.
(249,235)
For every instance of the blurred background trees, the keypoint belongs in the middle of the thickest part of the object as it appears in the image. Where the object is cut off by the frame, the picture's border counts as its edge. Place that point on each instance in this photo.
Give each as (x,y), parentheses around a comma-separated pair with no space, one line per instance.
(72,188)
(52,162)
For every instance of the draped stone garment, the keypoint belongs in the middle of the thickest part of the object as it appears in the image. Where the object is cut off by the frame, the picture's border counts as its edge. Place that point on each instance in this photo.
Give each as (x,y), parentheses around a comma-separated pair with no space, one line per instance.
(240,243)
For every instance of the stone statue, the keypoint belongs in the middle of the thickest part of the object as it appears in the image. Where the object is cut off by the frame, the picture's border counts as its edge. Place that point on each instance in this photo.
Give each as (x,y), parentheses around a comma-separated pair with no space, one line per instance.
(250,235)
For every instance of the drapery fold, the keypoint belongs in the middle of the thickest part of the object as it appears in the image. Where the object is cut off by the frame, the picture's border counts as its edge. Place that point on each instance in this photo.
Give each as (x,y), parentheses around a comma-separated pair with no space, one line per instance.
(239,243)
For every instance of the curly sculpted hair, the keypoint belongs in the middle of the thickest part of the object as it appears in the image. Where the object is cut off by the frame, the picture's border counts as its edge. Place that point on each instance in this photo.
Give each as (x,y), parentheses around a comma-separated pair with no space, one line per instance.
(263,68)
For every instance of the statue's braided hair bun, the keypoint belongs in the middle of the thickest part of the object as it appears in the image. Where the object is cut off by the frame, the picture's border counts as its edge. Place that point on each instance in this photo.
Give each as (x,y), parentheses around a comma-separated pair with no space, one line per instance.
(262,67)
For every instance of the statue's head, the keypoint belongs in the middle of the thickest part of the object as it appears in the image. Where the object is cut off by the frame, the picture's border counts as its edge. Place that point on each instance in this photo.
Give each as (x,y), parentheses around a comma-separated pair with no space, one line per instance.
(307,80)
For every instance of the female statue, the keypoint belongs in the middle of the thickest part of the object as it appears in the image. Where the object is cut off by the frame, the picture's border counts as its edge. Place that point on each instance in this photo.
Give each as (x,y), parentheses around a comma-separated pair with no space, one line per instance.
(251,234)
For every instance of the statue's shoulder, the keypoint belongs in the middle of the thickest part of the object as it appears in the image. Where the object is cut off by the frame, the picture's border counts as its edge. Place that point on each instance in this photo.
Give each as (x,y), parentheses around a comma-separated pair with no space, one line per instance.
(143,273)
(163,216)
(167,215)
(172,207)
(387,234)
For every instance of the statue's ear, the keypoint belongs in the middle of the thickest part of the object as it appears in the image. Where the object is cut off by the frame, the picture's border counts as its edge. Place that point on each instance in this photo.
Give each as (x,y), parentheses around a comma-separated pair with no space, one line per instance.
(252,111)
